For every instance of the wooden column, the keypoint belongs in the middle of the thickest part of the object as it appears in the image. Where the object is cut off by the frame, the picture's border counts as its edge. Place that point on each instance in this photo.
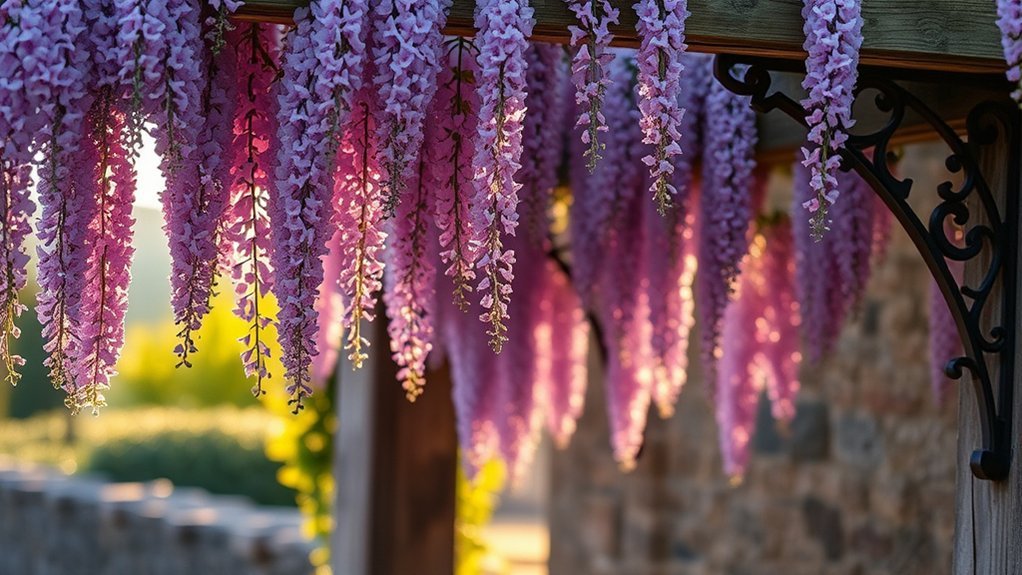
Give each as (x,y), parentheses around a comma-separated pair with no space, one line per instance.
(988,514)
(395,468)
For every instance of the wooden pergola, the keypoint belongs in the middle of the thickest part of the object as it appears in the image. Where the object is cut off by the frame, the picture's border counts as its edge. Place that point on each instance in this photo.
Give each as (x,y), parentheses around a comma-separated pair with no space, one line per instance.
(937,70)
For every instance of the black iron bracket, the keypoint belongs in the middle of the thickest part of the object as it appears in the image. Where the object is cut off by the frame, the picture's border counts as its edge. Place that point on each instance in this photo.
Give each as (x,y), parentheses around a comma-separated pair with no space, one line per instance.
(986,313)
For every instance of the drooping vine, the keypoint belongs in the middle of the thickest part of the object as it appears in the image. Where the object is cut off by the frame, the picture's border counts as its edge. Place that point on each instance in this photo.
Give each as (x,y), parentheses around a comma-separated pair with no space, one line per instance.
(661,28)
(247,227)
(323,67)
(833,36)
(503,27)
(592,38)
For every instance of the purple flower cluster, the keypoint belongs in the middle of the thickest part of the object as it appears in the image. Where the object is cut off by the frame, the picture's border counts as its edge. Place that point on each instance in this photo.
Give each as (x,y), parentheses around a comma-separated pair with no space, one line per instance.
(661,27)
(1009,20)
(323,66)
(599,195)
(592,37)
(406,50)
(449,148)
(66,204)
(503,28)
(199,192)
(671,260)
(725,208)
(247,226)
(833,31)
(542,139)
(832,273)
(108,243)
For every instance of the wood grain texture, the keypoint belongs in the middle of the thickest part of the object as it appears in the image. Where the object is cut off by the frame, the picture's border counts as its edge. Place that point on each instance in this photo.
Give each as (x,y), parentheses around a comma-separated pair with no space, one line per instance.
(395,469)
(988,514)
(949,35)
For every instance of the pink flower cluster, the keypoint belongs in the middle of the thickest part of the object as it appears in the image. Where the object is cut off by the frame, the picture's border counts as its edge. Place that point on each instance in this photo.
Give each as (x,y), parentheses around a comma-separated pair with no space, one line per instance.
(661,27)
(592,37)
(361,209)
(1009,21)
(247,226)
(503,28)
(833,31)
(406,50)
(409,283)
(760,344)
(449,148)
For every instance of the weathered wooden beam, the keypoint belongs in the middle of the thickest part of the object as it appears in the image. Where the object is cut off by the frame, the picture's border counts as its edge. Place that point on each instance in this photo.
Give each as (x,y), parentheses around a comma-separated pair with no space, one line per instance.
(945,35)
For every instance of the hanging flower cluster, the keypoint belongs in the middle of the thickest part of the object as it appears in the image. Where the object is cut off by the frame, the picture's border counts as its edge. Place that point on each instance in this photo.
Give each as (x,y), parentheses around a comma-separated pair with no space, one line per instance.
(66,207)
(1009,20)
(247,225)
(503,28)
(449,148)
(671,258)
(760,343)
(406,43)
(726,208)
(833,273)
(284,154)
(542,137)
(323,63)
(833,31)
(604,193)
(592,38)
(661,27)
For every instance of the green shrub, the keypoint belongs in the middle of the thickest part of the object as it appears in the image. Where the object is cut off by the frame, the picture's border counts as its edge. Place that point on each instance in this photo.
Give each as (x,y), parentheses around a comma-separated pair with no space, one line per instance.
(220,450)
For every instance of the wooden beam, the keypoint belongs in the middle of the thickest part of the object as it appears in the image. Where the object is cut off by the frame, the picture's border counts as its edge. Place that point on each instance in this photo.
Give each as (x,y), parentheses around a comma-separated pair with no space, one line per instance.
(946,35)
(395,470)
(988,529)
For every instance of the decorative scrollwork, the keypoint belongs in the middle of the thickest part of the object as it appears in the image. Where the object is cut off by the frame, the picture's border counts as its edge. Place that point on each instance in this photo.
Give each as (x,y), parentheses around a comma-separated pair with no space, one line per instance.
(990,241)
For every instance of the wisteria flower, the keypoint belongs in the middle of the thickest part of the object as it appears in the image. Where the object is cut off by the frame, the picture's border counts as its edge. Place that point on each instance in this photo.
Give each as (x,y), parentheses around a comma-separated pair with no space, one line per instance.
(449,149)
(542,138)
(503,28)
(661,28)
(406,50)
(247,226)
(409,290)
(833,31)
(592,38)
(1009,20)
(323,66)
(726,208)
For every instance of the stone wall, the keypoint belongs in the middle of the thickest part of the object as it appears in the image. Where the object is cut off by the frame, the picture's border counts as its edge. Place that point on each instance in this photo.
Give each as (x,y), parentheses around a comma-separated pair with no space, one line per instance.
(52,524)
(862,482)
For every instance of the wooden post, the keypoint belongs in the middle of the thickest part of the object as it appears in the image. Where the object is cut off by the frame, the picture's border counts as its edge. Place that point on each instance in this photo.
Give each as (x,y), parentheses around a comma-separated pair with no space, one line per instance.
(988,514)
(395,467)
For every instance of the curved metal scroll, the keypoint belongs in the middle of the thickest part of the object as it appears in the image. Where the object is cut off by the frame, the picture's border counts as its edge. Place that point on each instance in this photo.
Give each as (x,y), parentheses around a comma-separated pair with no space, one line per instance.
(991,238)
